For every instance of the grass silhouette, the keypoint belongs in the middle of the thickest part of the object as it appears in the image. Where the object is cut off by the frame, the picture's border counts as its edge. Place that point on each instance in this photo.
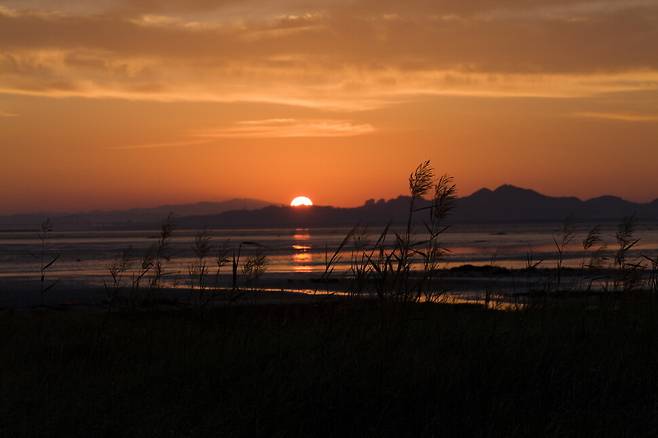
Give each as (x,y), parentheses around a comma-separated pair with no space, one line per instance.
(397,363)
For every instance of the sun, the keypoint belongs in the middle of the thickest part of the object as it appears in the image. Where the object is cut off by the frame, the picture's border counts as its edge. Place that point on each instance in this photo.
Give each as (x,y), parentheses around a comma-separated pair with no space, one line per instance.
(301,201)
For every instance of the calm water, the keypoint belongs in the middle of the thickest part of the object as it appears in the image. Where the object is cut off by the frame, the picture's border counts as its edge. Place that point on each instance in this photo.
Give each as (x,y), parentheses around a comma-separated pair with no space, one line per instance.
(87,255)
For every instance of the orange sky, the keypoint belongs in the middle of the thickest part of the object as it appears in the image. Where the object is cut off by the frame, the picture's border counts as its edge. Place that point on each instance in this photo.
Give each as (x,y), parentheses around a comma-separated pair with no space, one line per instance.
(118,103)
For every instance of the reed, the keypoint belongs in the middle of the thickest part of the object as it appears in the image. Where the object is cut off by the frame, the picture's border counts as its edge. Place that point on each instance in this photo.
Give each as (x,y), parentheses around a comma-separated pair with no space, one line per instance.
(251,270)
(652,281)
(198,269)
(360,268)
(151,266)
(567,236)
(330,262)
(405,269)
(46,260)
(594,248)
(628,271)
(433,251)
(254,268)
(531,264)
(404,264)
(117,269)
(161,253)
(221,260)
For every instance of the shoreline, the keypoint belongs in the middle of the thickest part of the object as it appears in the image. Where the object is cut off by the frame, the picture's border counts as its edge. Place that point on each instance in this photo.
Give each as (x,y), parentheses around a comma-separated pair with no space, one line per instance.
(464,284)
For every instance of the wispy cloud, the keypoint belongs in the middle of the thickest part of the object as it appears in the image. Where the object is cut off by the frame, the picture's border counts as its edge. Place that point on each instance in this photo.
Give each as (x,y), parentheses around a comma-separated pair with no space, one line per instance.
(621,117)
(7,12)
(295,82)
(289,128)
(267,128)
(326,54)
(567,11)
(8,114)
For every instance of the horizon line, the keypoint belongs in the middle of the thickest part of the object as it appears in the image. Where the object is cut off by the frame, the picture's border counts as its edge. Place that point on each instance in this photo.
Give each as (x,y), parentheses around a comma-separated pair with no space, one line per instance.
(286,204)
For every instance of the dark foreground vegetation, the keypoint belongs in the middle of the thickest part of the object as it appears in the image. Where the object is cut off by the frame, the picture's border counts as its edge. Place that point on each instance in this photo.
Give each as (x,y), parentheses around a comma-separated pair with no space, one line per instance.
(343,368)
(386,358)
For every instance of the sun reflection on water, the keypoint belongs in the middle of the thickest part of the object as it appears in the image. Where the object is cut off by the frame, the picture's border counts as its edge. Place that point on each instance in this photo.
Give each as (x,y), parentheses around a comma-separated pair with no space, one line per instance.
(302,258)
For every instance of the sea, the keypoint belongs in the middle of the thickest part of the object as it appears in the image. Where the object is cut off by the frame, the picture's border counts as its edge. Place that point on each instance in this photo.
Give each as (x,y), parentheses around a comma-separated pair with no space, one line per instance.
(85,256)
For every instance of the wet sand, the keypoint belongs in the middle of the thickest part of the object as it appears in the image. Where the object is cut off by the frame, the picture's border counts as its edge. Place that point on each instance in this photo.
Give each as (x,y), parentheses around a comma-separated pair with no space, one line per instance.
(467,283)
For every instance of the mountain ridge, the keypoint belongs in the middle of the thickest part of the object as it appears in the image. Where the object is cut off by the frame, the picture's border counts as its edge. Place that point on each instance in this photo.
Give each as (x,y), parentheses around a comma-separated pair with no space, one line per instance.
(506,203)
(133,215)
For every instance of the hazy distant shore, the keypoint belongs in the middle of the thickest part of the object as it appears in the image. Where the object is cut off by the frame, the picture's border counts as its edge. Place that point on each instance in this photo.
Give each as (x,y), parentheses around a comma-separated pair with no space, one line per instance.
(505,205)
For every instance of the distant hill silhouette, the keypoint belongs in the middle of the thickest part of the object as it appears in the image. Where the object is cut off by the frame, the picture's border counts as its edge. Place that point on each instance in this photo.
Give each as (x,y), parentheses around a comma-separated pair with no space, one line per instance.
(505,204)
(512,204)
(130,217)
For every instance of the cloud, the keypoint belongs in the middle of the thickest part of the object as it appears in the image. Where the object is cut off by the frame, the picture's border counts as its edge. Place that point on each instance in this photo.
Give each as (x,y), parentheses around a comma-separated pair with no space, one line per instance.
(620,117)
(338,54)
(595,41)
(565,10)
(7,12)
(289,128)
(8,114)
(268,128)
(285,81)
(547,8)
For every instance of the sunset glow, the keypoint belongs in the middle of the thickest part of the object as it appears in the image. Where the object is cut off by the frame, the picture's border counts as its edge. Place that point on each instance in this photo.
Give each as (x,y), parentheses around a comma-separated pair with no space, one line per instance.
(119,104)
(281,217)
